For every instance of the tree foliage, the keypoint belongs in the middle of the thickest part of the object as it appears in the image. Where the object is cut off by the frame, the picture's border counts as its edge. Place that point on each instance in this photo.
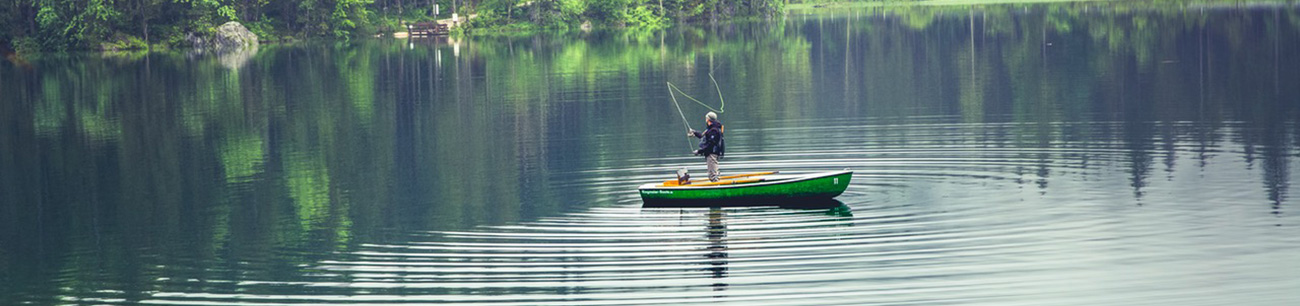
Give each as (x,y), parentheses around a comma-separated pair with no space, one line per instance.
(85,24)
(88,24)
(635,13)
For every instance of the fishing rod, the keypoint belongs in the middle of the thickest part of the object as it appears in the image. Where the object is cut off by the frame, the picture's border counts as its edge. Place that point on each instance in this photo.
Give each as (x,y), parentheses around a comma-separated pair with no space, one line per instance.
(685,122)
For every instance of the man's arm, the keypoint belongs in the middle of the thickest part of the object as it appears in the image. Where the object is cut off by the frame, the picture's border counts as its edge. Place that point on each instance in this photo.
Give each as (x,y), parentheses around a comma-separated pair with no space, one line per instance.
(710,141)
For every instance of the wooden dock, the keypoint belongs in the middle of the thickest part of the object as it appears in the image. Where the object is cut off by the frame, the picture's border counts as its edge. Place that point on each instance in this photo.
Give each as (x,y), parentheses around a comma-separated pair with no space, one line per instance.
(427,28)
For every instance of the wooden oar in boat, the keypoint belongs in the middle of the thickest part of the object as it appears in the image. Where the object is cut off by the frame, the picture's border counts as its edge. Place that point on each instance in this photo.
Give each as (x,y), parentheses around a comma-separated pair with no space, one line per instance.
(728,182)
(674,182)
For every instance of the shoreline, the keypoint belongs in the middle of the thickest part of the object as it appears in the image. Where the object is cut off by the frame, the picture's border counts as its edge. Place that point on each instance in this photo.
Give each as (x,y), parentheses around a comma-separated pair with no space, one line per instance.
(857,4)
(861,4)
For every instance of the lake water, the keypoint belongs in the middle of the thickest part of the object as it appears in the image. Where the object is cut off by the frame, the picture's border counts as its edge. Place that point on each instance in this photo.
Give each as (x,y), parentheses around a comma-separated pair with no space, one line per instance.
(1078,154)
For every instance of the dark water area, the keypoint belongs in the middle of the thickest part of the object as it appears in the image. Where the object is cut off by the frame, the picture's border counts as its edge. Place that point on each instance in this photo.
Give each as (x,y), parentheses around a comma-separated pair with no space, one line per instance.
(1079,154)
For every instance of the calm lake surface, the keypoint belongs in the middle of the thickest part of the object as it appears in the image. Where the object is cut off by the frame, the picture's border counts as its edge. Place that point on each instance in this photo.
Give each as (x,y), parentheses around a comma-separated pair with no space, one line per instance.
(1079,154)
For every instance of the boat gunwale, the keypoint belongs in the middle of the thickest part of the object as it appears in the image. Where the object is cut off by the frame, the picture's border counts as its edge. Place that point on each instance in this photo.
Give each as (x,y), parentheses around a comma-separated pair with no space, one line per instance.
(794,179)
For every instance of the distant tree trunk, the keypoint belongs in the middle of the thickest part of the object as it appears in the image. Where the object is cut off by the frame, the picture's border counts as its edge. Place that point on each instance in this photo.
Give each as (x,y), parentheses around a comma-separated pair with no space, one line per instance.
(533,12)
(31,19)
(249,12)
(140,6)
(713,16)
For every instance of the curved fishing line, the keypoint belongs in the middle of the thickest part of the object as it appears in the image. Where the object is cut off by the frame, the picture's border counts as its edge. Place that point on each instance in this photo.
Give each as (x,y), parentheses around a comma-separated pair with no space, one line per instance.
(720,108)
(723,102)
(685,122)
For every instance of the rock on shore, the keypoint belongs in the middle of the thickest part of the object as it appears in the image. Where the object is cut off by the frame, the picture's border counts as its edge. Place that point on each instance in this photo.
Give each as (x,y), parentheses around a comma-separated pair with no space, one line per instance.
(229,35)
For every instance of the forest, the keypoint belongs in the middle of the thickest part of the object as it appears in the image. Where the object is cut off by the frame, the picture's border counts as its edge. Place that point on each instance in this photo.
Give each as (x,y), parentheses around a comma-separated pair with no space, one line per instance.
(61,25)
(29,26)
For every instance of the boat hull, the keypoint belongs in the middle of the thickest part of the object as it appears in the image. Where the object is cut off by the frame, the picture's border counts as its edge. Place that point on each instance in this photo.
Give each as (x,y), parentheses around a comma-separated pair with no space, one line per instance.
(817,187)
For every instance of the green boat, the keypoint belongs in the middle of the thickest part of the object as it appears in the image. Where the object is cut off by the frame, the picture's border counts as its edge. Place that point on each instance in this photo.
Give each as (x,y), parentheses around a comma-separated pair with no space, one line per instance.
(762,188)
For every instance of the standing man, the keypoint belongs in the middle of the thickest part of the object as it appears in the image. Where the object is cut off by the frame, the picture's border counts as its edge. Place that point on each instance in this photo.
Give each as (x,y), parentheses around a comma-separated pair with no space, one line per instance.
(711,144)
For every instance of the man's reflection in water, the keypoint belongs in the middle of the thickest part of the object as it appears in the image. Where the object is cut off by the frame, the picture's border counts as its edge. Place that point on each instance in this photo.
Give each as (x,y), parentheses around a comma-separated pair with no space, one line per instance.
(717,234)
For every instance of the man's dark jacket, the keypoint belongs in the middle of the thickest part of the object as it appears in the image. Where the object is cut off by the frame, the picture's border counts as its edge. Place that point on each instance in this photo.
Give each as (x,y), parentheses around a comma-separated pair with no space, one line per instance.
(711,140)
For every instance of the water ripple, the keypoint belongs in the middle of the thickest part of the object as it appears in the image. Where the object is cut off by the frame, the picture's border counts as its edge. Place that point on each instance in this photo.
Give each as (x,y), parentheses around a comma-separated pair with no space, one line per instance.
(942,215)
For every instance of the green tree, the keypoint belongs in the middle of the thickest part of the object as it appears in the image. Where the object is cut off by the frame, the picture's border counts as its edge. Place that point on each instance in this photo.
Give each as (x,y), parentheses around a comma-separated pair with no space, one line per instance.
(142,11)
(65,24)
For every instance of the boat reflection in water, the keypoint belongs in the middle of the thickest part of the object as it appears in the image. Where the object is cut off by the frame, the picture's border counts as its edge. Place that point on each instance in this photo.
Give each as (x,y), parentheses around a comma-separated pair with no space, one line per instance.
(715,232)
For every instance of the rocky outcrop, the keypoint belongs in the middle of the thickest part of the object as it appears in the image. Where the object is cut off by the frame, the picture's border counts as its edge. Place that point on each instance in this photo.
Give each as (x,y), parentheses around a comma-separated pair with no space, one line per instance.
(227,36)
